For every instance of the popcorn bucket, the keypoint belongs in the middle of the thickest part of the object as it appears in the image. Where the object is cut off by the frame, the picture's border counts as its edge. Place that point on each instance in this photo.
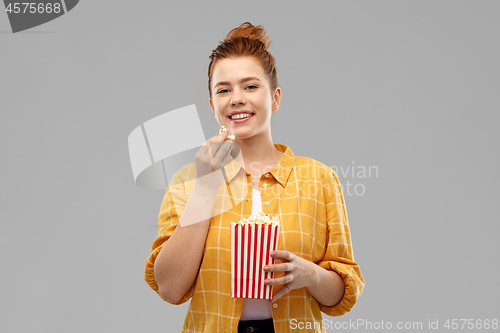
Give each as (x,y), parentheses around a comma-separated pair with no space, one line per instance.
(251,245)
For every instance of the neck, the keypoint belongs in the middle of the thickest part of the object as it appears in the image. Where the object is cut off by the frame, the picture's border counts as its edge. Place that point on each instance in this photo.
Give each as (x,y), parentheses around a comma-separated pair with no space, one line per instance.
(259,153)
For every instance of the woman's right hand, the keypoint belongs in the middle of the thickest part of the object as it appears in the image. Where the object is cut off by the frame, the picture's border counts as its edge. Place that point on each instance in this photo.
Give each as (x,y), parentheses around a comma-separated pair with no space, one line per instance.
(210,158)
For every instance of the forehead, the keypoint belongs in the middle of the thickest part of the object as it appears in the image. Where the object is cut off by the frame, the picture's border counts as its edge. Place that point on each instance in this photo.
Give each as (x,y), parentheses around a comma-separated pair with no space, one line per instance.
(233,69)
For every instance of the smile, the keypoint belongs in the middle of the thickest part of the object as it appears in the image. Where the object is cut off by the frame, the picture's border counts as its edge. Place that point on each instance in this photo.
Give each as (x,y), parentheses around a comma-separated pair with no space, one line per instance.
(241,116)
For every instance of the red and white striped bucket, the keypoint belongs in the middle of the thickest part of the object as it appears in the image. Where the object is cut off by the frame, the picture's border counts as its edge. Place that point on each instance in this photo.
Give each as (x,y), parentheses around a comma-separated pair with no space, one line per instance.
(251,245)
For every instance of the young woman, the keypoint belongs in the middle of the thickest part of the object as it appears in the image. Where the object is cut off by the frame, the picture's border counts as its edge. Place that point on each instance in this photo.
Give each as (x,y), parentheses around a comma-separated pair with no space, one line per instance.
(315,270)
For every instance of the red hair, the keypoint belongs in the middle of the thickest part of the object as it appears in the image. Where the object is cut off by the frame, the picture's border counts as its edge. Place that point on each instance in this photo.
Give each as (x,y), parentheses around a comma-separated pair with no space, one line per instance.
(246,40)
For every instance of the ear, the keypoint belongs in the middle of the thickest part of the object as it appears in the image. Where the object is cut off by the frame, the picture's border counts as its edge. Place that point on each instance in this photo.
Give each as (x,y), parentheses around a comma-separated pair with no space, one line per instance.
(211,104)
(277,97)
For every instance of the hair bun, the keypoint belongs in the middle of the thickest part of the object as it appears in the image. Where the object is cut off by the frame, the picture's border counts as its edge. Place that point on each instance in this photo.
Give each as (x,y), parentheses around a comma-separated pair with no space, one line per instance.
(251,31)
(243,41)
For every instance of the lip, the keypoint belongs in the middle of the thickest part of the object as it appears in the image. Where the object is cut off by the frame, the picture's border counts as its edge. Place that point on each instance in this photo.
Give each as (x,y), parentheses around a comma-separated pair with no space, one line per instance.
(238,112)
(243,119)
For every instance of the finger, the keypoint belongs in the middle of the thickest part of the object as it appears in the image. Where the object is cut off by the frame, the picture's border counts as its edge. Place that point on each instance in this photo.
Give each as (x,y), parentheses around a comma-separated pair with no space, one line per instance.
(222,136)
(281,292)
(282,254)
(219,139)
(221,157)
(284,267)
(210,155)
(213,147)
(226,150)
(279,280)
(217,160)
(227,137)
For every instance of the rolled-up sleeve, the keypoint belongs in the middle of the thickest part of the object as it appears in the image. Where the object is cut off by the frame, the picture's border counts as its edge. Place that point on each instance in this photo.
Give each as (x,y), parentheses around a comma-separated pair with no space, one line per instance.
(171,209)
(339,253)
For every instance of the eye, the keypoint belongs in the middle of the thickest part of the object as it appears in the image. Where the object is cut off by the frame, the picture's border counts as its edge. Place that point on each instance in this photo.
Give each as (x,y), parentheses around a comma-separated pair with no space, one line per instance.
(252,87)
(222,91)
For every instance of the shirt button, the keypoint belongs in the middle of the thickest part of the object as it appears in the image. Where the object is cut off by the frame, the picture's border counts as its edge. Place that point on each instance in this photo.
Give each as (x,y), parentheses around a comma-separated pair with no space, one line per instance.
(267,203)
(275,305)
(268,175)
(265,185)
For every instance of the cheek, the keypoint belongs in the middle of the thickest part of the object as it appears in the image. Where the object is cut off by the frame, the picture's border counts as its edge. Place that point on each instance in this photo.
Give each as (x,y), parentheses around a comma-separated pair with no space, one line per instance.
(264,100)
(220,103)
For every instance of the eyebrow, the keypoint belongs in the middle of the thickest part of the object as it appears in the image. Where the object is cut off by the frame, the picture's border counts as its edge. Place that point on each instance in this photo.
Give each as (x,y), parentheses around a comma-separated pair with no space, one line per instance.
(227,83)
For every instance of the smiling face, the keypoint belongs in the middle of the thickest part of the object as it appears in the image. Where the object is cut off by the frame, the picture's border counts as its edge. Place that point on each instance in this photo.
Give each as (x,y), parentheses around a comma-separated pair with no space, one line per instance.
(240,86)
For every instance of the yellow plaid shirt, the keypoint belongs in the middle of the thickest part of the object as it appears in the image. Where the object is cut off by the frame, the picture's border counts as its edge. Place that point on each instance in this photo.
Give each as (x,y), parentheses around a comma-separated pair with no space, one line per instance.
(307,197)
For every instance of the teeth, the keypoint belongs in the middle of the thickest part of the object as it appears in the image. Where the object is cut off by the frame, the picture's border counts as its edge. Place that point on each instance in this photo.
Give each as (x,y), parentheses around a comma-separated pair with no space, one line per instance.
(241,115)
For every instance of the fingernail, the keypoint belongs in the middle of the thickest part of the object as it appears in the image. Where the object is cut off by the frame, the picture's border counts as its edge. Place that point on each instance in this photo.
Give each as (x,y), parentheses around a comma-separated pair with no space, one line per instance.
(266,267)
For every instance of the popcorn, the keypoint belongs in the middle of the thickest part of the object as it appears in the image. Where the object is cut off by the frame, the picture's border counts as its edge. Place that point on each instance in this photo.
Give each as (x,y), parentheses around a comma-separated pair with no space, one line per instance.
(230,136)
(252,241)
(222,129)
(261,218)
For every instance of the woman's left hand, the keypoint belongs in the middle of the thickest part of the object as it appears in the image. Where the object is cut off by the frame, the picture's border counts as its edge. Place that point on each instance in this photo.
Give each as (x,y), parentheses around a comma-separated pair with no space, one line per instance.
(299,272)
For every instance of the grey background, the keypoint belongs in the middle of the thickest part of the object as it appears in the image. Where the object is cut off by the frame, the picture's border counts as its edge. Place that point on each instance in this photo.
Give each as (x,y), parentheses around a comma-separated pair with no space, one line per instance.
(410,87)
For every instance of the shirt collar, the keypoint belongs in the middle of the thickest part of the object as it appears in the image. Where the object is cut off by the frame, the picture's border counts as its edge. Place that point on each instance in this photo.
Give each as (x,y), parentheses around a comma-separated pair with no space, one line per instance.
(281,171)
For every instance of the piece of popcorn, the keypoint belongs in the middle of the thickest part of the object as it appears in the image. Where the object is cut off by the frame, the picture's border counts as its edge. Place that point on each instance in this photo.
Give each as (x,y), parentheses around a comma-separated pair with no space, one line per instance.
(230,136)
(261,218)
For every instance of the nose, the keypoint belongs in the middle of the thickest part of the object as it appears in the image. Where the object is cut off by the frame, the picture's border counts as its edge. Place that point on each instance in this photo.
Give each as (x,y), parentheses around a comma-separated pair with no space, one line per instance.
(237,97)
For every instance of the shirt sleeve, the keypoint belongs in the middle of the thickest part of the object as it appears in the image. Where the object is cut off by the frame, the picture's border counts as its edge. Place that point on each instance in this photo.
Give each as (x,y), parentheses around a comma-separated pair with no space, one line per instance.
(170,212)
(339,254)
